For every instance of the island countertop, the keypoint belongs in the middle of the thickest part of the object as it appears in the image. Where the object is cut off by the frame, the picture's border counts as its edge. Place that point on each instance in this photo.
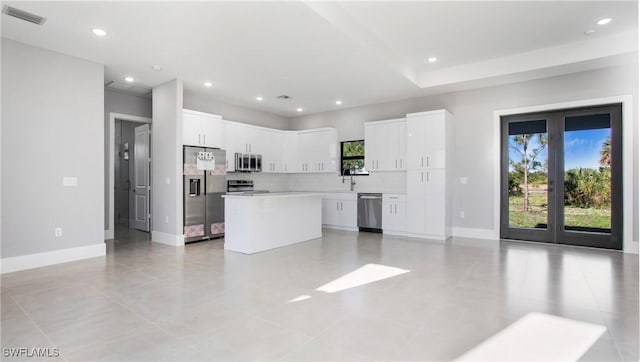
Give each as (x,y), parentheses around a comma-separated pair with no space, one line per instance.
(267,195)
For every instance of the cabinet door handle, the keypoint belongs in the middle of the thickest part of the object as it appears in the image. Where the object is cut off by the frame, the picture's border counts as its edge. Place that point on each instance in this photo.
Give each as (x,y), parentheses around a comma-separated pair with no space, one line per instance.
(390,206)
(422,176)
(199,142)
(323,166)
(396,207)
(427,176)
(204,139)
(427,161)
(377,164)
(341,206)
(396,163)
(372,164)
(337,206)
(422,161)
(400,163)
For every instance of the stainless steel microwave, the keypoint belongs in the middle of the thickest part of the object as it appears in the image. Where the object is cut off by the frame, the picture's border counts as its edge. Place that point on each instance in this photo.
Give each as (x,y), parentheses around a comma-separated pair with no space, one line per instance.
(248,162)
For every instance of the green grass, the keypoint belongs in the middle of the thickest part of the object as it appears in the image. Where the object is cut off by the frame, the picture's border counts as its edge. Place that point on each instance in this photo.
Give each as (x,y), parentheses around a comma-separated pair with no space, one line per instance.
(537,214)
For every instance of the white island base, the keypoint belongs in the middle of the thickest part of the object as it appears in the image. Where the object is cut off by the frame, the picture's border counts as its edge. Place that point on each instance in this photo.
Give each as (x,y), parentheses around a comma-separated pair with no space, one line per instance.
(259,222)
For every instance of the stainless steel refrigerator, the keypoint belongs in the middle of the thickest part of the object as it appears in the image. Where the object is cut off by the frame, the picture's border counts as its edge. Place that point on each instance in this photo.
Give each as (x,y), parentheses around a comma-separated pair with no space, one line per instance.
(205,181)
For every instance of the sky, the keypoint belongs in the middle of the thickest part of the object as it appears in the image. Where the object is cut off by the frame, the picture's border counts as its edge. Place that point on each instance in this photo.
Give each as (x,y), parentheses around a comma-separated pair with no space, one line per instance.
(582,148)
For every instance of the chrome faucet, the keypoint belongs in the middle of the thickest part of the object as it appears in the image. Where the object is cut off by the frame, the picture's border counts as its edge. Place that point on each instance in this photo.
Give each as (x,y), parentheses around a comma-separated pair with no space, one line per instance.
(352,181)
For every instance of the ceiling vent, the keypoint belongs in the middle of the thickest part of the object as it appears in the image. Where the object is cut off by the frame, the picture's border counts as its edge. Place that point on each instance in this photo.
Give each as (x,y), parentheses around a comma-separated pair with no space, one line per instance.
(23,15)
(284,97)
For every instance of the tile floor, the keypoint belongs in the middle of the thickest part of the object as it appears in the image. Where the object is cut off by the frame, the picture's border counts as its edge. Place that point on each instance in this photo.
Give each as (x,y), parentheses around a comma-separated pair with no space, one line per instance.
(147,301)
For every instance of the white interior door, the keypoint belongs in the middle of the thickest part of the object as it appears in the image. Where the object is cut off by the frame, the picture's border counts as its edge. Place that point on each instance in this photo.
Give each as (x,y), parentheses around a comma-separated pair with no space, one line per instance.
(141,178)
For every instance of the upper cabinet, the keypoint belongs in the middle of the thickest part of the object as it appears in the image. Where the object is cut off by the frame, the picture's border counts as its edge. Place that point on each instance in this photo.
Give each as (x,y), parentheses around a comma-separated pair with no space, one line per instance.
(427,137)
(385,145)
(283,151)
(202,129)
(318,150)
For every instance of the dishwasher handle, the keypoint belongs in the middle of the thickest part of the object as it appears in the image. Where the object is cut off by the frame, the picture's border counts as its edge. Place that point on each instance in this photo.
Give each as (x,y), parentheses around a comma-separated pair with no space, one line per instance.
(370,197)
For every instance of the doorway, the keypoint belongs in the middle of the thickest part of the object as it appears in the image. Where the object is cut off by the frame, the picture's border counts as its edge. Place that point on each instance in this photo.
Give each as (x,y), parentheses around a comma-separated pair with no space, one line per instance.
(131,172)
(129,176)
(561,177)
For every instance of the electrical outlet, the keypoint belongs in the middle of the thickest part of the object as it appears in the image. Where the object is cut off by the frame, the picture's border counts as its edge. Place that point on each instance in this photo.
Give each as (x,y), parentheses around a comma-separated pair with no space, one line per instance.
(464,180)
(167,180)
(166,219)
(58,232)
(462,214)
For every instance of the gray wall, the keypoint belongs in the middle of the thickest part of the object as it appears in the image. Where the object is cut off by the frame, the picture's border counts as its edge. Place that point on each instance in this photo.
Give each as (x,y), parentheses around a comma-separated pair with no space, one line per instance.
(231,112)
(52,117)
(473,110)
(119,103)
(166,146)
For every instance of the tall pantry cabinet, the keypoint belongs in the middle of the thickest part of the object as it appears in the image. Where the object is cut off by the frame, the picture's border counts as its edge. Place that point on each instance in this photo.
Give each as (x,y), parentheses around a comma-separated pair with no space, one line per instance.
(429,174)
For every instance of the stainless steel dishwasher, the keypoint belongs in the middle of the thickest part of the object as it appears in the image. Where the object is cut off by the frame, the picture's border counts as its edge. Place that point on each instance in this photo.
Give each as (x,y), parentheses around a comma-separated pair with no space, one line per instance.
(370,212)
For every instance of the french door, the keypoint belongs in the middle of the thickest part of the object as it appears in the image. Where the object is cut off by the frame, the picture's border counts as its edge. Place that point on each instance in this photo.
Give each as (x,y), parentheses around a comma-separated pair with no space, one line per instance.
(561,177)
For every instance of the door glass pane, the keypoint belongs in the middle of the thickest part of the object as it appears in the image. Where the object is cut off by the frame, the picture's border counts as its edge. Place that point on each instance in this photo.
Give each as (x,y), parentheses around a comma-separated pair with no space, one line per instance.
(528,185)
(587,173)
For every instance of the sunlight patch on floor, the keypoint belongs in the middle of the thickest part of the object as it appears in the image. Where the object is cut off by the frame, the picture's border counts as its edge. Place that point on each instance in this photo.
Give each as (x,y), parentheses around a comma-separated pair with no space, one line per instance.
(538,337)
(299,299)
(366,274)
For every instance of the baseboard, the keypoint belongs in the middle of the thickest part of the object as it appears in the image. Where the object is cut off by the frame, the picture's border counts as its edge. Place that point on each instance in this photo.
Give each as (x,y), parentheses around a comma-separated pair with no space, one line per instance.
(167,239)
(632,247)
(487,234)
(336,227)
(108,234)
(30,261)
(428,236)
(394,232)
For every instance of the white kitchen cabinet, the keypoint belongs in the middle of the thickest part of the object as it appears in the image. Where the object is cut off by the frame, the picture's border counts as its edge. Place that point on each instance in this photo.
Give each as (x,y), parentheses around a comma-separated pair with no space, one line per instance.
(384,143)
(394,208)
(340,211)
(202,129)
(318,150)
(290,152)
(429,175)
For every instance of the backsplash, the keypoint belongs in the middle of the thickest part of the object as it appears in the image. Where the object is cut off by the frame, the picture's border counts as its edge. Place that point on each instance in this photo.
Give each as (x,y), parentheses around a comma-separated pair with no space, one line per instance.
(388,182)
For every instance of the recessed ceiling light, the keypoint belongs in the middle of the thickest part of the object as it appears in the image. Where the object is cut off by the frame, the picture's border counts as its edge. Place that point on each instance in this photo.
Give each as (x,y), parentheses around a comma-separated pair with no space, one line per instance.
(432,59)
(99,32)
(259,99)
(129,79)
(208,84)
(604,21)
(339,102)
(299,110)
(156,68)
(589,32)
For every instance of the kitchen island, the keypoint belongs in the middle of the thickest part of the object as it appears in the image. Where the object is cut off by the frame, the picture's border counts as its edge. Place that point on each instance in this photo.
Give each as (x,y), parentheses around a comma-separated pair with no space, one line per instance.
(259,222)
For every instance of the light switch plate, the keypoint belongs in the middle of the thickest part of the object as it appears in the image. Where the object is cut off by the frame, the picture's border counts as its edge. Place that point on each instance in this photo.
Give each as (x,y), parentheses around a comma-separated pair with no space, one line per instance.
(463,180)
(69,181)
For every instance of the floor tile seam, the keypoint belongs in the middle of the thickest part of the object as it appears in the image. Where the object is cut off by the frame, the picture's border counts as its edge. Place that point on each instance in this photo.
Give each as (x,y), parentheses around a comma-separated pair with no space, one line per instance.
(135,312)
(37,326)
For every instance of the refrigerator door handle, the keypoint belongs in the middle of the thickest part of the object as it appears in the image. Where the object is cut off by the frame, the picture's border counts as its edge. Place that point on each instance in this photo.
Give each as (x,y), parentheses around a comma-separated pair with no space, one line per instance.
(194,187)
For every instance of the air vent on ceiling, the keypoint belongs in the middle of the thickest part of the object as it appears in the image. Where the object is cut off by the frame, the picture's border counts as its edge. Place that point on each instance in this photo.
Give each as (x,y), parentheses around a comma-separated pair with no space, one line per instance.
(284,97)
(23,15)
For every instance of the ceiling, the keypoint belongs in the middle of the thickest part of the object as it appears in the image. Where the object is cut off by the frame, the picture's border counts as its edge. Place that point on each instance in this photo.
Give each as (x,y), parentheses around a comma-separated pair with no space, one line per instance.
(319,52)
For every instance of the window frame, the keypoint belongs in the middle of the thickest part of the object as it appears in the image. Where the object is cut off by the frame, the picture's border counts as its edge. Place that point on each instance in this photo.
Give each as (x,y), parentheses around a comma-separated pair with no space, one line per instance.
(348,158)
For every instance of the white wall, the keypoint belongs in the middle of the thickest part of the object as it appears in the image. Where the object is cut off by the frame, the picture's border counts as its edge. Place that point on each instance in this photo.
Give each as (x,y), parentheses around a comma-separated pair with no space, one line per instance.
(52,120)
(115,102)
(473,110)
(166,155)
(230,112)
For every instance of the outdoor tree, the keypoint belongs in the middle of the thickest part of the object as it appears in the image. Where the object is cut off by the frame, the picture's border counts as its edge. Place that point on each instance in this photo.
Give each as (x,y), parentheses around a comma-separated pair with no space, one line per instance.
(605,153)
(529,147)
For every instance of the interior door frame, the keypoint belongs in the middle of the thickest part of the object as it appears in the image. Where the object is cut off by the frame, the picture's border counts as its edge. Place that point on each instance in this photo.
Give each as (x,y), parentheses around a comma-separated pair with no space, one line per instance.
(113,116)
(629,245)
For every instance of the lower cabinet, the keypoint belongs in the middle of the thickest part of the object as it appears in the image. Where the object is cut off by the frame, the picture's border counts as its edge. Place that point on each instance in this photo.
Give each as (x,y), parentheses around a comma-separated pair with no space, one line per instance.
(394,211)
(340,211)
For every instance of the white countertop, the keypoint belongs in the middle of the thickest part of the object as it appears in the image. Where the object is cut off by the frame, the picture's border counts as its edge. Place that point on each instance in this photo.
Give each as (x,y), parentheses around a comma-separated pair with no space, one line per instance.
(267,195)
